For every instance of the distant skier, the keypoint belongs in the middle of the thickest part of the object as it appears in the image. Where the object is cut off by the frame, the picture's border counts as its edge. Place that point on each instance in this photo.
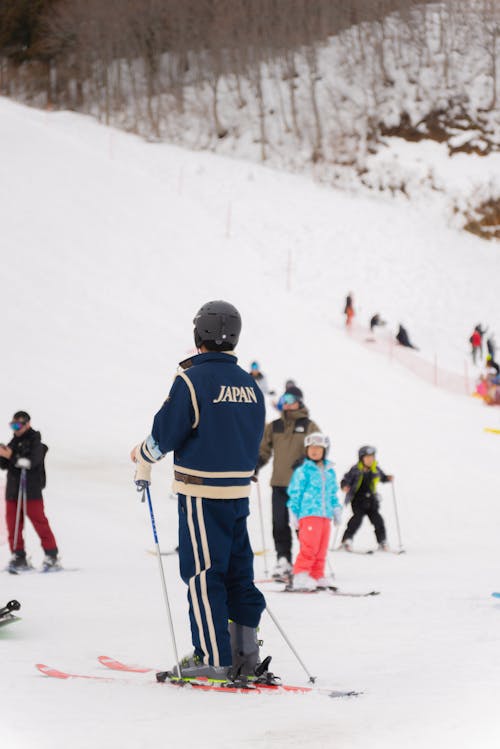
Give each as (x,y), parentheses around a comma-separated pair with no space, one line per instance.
(23,459)
(491,345)
(492,366)
(376,321)
(213,420)
(312,504)
(360,483)
(482,331)
(279,403)
(403,339)
(349,309)
(285,438)
(260,378)
(476,345)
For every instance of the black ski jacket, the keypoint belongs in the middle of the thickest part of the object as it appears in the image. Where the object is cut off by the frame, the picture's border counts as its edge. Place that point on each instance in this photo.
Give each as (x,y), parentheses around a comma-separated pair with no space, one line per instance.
(354,480)
(28,445)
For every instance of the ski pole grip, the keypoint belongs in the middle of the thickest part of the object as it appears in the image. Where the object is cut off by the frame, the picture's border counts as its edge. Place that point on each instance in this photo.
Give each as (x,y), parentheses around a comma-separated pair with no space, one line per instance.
(142,486)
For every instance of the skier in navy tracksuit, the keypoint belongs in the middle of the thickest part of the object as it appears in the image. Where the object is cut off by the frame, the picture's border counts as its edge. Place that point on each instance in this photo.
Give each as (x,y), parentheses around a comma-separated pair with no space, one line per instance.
(213,420)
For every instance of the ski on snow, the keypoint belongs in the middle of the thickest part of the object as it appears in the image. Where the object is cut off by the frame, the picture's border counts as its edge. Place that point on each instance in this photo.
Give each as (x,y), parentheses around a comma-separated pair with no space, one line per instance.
(333,591)
(200,684)
(368,552)
(115,665)
(32,570)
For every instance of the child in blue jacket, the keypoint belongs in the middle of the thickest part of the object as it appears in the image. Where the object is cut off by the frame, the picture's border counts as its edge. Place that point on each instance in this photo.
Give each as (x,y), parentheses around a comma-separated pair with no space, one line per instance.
(313,503)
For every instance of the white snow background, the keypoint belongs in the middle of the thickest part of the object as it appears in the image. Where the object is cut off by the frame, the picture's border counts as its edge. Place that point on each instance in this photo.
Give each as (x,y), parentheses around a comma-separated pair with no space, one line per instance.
(108,246)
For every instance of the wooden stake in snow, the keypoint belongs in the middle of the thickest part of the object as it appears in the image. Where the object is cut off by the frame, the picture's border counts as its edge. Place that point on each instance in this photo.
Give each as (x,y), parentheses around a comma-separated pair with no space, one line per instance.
(228,221)
(289,272)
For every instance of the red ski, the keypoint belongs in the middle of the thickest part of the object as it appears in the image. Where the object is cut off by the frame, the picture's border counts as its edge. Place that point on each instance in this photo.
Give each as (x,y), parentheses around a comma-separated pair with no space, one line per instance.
(55,674)
(200,684)
(115,665)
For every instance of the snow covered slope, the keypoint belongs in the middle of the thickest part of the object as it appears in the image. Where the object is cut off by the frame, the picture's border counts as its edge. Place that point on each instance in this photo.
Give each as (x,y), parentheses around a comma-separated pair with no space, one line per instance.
(108,246)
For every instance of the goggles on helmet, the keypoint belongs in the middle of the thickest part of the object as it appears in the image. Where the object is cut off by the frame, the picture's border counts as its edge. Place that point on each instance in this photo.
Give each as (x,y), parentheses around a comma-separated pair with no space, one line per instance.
(288,398)
(318,439)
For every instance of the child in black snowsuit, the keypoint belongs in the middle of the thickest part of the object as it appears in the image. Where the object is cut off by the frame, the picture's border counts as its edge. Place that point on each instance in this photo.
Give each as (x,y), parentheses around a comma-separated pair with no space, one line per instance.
(360,483)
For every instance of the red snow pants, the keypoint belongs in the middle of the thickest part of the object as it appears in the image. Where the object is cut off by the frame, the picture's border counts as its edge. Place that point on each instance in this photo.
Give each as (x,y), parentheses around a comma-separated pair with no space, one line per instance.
(314,536)
(35,512)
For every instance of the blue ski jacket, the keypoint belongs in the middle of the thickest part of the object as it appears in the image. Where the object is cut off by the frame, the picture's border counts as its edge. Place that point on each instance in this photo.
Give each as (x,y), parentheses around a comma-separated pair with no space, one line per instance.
(213,420)
(313,490)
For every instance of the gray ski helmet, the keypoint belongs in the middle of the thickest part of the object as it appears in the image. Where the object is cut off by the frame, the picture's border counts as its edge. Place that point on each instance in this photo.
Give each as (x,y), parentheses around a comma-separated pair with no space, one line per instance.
(366,450)
(218,322)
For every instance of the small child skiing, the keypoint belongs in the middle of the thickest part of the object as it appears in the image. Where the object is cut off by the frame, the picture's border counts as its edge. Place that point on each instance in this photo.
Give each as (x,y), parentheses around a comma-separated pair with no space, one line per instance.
(312,503)
(360,483)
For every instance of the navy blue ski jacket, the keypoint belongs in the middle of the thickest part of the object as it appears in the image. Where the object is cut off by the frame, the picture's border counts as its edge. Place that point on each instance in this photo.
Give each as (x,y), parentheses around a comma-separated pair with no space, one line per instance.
(213,420)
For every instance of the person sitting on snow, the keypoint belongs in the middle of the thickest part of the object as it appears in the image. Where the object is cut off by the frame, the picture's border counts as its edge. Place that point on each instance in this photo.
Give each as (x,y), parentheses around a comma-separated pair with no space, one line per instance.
(492,365)
(403,338)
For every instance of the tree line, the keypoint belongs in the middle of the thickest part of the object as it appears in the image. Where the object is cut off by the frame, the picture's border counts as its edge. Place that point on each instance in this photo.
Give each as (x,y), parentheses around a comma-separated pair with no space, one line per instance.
(319,75)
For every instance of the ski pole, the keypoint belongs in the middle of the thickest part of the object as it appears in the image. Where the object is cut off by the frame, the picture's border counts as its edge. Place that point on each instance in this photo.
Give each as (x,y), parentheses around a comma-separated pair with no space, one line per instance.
(259,501)
(21,505)
(401,550)
(25,496)
(312,679)
(330,568)
(335,536)
(144,487)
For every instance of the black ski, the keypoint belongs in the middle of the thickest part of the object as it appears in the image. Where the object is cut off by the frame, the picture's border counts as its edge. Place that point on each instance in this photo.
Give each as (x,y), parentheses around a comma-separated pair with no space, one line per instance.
(332,591)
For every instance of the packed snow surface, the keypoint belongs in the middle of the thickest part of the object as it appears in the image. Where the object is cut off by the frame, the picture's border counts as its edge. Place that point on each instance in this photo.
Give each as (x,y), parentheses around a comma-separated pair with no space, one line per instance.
(108,247)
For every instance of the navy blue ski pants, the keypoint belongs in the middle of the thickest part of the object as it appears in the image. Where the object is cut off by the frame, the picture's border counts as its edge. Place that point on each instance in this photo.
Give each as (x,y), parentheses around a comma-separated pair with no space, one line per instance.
(216,562)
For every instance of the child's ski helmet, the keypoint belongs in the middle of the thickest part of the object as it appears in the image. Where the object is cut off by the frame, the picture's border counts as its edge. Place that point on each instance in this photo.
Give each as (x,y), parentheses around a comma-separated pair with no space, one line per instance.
(366,450)
(319,439)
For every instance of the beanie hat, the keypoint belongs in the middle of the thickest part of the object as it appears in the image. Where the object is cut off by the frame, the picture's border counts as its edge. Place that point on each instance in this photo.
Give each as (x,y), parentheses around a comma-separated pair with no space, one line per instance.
(296,392)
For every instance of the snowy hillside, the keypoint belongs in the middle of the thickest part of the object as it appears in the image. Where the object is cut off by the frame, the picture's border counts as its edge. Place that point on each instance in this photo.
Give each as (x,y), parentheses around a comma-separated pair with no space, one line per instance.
(108,247)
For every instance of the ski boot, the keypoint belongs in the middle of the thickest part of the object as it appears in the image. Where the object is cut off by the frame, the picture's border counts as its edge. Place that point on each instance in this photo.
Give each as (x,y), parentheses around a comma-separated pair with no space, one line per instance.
(193,668)
(51,563)
(19,563)
(282,570)
(326,583)
(247,666)
(303,581)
